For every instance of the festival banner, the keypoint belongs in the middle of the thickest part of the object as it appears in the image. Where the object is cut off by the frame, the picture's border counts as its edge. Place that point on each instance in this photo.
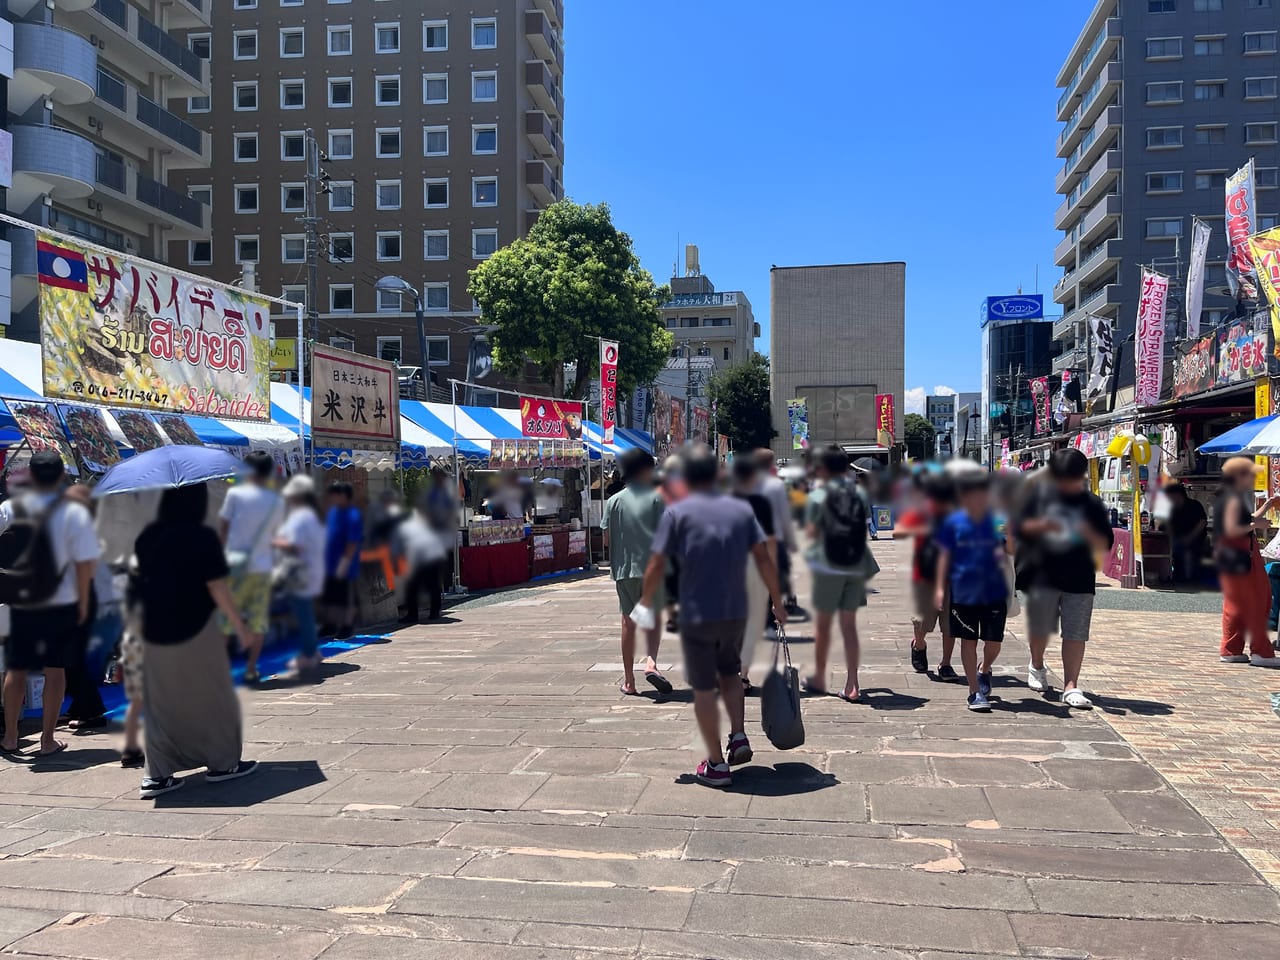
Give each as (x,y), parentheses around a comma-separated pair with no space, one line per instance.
(661,424)
(608,388)
(1265,249)
(701,424)
(798,420)
(1103,358)
(722,448)
(140,429)
(1149,349)
(885,428)
(91,436)
(1062,408)
(40,426)
(126,332)
(677,423)
(1242,352)
(1196,370)
(1241,211)
(1195,275)
(551,419)
(1004,453)
(1040,403)
(1262,407)
(353,398)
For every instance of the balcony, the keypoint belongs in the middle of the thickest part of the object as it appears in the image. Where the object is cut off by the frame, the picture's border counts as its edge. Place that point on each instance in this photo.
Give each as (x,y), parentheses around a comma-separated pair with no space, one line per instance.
(543,88)
(169,124)
(1101,176)
(554,9)
(542,134)
(541,181)
(542,38)
(1101,136)
(140,47)
(1107,40)
(1093,265)
(131,200)
(1064,253)
(1099,219)
(61,64)
(1067,329)
(1096,302)
(190,14)
(178,54)
(18,9)
(51,160)
(1071,360)
(177,206)
(112,174)
(135,124)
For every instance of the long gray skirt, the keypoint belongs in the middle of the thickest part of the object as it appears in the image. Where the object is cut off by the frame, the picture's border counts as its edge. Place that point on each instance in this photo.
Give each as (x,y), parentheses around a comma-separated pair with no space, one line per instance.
(192,713)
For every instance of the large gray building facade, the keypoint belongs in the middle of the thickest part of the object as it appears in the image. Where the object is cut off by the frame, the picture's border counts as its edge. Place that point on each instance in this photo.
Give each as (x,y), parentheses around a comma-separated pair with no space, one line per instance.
(1160,101)
(837,339)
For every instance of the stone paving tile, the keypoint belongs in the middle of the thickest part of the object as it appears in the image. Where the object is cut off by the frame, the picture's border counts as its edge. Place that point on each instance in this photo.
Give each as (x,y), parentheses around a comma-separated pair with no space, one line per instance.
(107,938)
(80,876)
(325,891)
(206,853)
(687,875)
(1104,863)
(665,946)
(362,947)
(16,924)
(1100,939)
(928,805)
(1088,811)
(1157,901)
(602,794)
(483,791)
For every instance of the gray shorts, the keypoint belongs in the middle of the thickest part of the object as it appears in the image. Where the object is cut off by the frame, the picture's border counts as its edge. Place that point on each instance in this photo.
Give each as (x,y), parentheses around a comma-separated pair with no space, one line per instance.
(711,651)
(1052,611)
(925,613)
(630,591)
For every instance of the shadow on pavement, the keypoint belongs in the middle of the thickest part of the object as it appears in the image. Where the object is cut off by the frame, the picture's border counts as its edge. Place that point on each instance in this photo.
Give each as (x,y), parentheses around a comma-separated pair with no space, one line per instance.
(1119,706)
(271,781)
(780,780)
(882,698)
(69,759)
(328,670)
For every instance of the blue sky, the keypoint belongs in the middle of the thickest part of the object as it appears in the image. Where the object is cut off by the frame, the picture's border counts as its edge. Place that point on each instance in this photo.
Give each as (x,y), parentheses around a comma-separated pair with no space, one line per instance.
(838,131)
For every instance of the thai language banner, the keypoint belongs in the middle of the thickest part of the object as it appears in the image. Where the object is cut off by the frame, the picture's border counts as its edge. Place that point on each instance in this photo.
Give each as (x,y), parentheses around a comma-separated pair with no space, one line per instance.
(1265,248)
(1241,213)
(127,332)
(798,420)
(1196,370)
(885,428)
(551,419)
(608,388)
(1149,353)
(353,398)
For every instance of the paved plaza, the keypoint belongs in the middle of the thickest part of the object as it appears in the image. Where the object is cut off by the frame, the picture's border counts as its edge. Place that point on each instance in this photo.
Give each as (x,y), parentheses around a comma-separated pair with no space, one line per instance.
(479,789)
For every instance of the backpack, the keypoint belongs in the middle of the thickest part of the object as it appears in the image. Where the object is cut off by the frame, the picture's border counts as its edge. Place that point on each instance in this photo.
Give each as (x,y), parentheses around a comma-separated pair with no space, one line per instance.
(844,525)
(29,571)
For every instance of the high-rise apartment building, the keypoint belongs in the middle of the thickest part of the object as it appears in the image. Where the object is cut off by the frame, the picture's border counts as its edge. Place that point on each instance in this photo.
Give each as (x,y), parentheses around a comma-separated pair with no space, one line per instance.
(1161,100)
(96,139)
(440,130)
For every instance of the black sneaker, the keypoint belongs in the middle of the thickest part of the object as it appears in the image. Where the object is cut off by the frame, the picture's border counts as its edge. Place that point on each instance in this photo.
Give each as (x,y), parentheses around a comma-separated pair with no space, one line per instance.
(920,659)
(947,672)
(152,788)
(242,769)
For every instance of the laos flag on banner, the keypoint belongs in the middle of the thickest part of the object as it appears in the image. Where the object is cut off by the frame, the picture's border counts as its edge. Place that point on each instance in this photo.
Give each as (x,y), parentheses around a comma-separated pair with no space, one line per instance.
(61,267)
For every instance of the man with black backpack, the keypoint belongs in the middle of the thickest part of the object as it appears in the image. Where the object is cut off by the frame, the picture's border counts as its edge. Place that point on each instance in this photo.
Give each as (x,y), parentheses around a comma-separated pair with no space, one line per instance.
(48,556)
(836,518)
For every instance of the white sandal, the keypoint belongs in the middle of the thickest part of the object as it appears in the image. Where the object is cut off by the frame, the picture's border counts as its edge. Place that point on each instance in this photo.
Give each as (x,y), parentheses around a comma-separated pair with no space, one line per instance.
(1074,698)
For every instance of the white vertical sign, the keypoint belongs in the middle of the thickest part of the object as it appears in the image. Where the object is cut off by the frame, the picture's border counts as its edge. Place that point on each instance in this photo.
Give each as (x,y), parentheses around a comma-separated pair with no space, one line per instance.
(1195,275)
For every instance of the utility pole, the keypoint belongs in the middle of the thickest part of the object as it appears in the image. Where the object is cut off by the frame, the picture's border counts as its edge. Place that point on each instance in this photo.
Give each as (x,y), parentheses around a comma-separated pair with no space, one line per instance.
(688,391)
(311,221)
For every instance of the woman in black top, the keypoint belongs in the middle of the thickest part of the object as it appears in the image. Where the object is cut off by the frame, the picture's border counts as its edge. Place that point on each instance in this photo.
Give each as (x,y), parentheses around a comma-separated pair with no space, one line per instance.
(193,716)
(746,486)
(1246,591)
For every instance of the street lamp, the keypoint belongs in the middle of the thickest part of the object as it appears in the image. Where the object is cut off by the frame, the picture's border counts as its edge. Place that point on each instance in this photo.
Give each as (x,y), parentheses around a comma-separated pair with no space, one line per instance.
(400,286)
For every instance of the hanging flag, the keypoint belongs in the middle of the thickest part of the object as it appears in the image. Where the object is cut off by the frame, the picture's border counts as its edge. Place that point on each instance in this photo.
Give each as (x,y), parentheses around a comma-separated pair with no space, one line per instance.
(1149,352)
(1103,358)
(798,420)
(1062,409)
(1265,249)
(885,424)
(608,388)
(1241,210)
(1195,275)
(1040,403)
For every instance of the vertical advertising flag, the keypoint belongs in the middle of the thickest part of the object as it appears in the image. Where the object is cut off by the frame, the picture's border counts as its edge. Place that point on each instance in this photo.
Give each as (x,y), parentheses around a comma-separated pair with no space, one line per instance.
(1195,275)
(1241,213)
(1103,358)
(1040,403)
(1265,249)
(1149,352)
(884,419)
(798,420)
(608,388)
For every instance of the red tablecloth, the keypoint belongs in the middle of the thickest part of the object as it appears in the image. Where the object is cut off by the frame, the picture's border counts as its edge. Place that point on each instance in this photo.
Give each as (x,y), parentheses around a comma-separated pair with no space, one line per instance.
(495,566)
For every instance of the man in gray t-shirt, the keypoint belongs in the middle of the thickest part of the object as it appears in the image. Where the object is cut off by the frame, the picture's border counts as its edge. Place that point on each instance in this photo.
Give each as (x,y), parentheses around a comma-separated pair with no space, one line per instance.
(713,537)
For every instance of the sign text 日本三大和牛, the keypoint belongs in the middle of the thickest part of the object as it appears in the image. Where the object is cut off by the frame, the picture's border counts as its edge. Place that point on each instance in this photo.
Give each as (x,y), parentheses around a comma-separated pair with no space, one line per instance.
(353,397)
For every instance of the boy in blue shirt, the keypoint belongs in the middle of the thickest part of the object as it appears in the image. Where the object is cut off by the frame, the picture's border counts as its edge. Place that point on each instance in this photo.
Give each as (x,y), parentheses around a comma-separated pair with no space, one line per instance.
(971,571)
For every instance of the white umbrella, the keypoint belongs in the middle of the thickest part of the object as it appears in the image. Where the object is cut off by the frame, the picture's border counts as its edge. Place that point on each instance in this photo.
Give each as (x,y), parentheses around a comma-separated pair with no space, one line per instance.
(1266,443)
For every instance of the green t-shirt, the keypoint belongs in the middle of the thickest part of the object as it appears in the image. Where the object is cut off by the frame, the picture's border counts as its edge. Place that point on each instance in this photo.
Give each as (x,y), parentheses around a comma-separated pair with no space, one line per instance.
(631,516)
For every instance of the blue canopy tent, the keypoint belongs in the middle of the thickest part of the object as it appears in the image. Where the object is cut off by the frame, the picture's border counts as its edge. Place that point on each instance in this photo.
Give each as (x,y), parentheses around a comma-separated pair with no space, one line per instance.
(1237,438)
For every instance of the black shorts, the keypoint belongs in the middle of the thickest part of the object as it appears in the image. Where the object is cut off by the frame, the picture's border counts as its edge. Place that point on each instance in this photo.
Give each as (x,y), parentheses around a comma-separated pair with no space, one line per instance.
(43,638)
(337,592)
(711,651)
(974,621)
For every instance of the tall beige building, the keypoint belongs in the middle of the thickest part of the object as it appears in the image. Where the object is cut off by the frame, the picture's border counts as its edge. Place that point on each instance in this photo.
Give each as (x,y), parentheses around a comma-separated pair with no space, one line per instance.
(95,109)
(440,126)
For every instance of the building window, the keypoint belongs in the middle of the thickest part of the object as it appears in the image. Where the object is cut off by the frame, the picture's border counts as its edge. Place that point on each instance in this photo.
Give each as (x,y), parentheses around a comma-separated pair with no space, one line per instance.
(727,355)
(435,193)
(342,343)
(390,349)
(435,88)
(484,243)
(294,293)
(199,252)
(244,45)
(293,197)
(1265,178)
(202,46)
(1210,46)
(342,297)
(246,95)
(1161,6)
(340,41)
(1159,228)
(341,145)
(1170,92)
(292,95)
(437,350)
(246,147)
(484,87)
(1260,42)
(1260,88)
(1268,221)
(1210,179)
(340,92)
(388,194)
(342,247)
(246,198)
(342,195)
(201,194)
(387,37)
(1165,138)
(1211,135)
(247,249)
(1258,4)
(435,35)
(484,192)
(435,141)
(389,245)
(388,91)
(1164,48)
(293,248)
(388,142)
(245,4)
(1211,89)
(484,139)
(1260,132)
(292,43)
(484,34)
(717,322)
(435,244)
(437,295)
(1170,182)
(388,301)
(293,145)
(1206,6)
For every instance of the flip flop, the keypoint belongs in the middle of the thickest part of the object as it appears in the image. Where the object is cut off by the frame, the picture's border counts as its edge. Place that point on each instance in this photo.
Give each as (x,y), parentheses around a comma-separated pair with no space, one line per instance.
(808,686)
(658,682)
(49,753)
(11,755)
(848,699)
(622,689)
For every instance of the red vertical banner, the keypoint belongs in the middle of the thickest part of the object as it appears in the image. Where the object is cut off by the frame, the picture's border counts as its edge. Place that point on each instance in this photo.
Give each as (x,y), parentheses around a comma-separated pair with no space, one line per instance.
(884,419)
(608,388)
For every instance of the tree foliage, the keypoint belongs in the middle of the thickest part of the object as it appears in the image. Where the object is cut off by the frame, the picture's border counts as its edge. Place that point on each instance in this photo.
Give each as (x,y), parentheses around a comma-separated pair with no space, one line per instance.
(741,395)
(920,436)
(573,279)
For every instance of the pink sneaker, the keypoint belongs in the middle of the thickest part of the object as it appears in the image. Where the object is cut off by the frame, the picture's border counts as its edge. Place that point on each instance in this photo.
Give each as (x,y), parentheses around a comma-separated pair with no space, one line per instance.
(739,750)
(714,774)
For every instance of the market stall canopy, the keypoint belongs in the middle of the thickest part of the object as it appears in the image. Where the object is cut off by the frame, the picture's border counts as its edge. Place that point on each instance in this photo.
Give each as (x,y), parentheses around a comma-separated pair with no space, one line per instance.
(1244,438)
(416,444)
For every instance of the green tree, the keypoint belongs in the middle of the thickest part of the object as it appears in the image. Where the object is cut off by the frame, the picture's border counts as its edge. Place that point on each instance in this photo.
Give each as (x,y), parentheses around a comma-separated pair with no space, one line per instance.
(573,279)
(920,435)
(741,396)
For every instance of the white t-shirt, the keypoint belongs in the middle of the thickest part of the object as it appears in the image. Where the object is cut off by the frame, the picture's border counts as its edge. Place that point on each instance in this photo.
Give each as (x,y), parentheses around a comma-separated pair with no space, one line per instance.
(72,536)
(252,514)
(302,530)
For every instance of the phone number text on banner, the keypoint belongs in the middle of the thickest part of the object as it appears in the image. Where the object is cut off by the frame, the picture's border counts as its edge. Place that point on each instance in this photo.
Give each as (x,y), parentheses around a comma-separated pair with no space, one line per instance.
(126,332)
